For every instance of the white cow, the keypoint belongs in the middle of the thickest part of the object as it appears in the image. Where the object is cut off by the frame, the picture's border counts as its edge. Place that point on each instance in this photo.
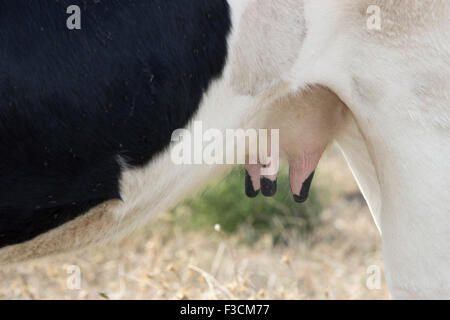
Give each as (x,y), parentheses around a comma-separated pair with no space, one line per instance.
(379,87)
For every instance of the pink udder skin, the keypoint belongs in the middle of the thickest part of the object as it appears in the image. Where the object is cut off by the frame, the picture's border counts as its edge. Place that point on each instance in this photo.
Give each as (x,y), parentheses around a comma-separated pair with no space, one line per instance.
(254,171)
(300,169)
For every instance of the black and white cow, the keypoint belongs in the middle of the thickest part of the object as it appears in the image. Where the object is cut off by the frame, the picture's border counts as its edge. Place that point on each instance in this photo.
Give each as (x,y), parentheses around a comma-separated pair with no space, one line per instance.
(86,116)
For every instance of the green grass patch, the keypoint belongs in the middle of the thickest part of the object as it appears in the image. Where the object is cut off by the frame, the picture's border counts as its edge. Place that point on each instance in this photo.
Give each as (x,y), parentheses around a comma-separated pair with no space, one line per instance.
(226,204)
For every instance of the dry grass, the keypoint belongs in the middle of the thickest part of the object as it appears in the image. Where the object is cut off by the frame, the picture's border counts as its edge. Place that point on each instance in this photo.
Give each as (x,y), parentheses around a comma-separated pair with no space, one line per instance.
(164,262)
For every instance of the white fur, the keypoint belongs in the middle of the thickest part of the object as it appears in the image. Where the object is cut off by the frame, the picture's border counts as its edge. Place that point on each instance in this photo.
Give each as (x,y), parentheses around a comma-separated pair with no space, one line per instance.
(399,144)
(397,140)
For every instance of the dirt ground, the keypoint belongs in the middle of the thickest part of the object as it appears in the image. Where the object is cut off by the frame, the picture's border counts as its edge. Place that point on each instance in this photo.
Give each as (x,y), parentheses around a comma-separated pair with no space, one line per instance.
(341,260)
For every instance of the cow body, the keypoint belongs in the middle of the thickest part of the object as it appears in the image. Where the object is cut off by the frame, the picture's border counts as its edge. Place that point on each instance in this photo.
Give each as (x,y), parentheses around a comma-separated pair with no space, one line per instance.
(77,106)
(96,170)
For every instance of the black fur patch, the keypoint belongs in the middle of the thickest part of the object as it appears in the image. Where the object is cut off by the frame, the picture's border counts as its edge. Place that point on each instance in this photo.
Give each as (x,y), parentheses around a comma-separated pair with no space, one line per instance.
(71,102)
